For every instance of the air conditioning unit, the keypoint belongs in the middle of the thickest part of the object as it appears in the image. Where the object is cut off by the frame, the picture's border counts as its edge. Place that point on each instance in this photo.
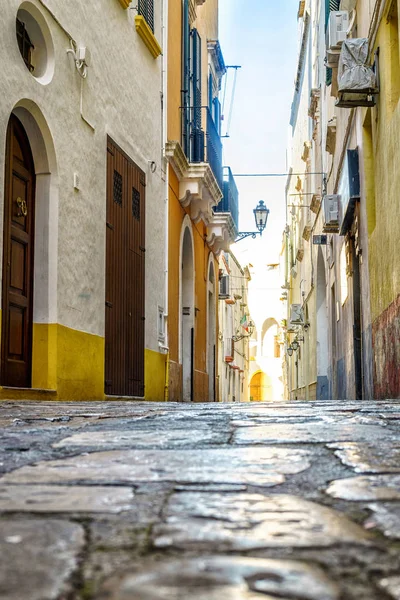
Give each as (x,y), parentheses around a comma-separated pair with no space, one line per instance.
(224,286)
(331,214)
(296,314)
(337,28)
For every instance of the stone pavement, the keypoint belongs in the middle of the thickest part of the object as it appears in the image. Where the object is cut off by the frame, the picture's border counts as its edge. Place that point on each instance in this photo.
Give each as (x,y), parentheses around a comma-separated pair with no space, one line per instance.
(136,501)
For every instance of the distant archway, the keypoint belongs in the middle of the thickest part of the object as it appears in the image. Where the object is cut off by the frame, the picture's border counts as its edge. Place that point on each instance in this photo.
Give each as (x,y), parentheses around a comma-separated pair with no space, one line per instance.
(260,387)
(269,339)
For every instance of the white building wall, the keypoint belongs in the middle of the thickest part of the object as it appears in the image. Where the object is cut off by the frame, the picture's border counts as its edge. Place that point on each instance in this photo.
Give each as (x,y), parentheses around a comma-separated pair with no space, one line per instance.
(121,97)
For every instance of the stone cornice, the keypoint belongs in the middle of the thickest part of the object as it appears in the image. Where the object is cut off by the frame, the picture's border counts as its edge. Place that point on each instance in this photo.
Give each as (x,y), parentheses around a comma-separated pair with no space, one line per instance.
(198,188)
(221,232)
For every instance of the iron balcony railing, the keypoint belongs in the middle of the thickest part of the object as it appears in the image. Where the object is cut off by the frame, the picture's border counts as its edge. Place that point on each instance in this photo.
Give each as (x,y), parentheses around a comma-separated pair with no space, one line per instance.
(230,200)
(201,139)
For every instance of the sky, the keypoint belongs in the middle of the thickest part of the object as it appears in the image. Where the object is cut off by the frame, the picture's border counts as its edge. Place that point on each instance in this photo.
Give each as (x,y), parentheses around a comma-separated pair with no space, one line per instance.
(261,36)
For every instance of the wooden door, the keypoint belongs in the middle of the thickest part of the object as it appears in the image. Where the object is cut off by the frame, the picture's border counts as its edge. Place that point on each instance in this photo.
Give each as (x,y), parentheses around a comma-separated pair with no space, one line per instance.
(17,286)
(125,264)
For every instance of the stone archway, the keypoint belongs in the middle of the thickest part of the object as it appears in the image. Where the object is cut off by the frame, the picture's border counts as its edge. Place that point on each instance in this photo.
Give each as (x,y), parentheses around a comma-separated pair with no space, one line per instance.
(322,330)
(211,333)
(187,332)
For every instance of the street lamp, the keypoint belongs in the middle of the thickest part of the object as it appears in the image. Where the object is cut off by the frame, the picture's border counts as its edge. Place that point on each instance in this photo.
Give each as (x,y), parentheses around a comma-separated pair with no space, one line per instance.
(261,213)
(237,338)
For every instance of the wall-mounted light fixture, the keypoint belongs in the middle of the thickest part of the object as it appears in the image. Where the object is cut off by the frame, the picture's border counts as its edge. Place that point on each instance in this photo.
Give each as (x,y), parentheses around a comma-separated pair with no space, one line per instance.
(261,213)
(238,337)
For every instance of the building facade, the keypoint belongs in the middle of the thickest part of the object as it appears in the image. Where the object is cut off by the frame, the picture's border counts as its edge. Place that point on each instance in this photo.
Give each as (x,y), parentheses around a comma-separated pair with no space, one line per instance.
(235,327)
(198,228)
(342,272)
(82,199)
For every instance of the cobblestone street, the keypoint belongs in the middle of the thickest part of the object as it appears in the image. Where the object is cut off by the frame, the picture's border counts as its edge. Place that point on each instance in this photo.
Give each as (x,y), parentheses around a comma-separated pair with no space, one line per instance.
(118,501)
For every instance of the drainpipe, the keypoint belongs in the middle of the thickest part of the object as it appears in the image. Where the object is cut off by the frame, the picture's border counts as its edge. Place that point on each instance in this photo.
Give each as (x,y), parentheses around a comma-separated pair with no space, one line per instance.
(165,170)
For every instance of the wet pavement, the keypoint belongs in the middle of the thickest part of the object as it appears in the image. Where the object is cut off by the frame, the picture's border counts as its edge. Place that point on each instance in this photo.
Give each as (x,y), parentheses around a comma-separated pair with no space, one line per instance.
(142,501)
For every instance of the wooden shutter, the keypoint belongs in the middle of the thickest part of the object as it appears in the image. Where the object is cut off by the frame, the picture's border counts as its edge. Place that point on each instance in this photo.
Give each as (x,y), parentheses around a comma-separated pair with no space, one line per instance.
(125,275)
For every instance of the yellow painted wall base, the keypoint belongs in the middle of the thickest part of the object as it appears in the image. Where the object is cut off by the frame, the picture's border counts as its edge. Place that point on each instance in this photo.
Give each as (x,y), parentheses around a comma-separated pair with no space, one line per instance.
(154,375)
(69,365)
(80,365)
(66,365)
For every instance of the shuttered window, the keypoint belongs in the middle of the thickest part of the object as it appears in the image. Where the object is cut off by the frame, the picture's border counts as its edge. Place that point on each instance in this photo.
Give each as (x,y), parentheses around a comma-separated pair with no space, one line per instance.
(146,9)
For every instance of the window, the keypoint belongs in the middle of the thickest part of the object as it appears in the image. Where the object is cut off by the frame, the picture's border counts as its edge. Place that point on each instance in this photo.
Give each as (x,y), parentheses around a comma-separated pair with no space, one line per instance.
(25,45)
(343,275)
(146,9)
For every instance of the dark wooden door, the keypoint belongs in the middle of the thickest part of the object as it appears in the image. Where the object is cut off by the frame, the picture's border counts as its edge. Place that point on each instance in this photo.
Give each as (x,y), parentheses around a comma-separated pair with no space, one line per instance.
(17,287)
(125,264)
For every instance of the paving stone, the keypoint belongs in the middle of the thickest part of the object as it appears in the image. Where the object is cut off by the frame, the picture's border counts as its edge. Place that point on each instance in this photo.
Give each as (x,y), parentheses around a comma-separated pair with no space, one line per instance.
(227,578)
(59,498)
(250,521)
(372,487)
(386,517)
(391,585)
(257,466)
(371,457)
(308,433)
(143,439)
(38,558)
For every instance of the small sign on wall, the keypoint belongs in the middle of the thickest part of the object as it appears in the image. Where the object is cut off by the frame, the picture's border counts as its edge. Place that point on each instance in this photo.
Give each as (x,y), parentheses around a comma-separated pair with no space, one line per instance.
(320,240)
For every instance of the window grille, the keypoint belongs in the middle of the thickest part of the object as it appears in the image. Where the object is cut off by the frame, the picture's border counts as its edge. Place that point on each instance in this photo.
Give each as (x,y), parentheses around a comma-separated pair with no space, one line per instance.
(136,204)
(146,9)
(117,188)
(25,45)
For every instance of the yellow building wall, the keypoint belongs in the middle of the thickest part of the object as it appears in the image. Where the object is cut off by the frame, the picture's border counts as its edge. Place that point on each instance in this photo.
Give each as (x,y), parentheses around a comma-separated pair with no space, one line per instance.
(383,206)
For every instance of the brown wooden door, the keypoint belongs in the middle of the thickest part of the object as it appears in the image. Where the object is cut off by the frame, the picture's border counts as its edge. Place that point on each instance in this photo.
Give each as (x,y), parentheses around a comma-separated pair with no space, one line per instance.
(125,263)
(17,288)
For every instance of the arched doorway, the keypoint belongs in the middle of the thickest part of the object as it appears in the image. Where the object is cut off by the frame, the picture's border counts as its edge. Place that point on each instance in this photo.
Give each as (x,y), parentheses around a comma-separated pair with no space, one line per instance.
(269,339)
(322,330)
(18,252)
(260,386)
(211,309)
(187,316)
(31,241)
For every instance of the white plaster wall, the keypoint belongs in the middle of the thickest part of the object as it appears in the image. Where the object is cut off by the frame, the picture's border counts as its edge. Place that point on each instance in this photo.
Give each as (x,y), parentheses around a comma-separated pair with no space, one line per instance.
(121,98)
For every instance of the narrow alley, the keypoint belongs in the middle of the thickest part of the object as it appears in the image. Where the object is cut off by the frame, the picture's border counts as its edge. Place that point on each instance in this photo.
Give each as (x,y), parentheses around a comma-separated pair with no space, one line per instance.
(140,501)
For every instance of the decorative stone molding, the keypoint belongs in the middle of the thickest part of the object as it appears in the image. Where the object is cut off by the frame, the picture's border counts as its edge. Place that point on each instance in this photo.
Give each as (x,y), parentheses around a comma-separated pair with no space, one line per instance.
(217,60)
(306,151)
(198,188)
(315,203)
(331,135)
(221,232)
(313,108)
(300,254)
(147,36)
(307,232)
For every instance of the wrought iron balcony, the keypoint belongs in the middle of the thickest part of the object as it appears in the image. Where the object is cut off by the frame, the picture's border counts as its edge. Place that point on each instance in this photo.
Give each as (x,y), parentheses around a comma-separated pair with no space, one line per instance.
(230,199)
(201,140)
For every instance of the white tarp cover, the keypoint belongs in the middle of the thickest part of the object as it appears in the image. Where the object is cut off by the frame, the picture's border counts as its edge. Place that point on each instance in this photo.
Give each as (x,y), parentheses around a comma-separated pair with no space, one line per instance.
(353,72)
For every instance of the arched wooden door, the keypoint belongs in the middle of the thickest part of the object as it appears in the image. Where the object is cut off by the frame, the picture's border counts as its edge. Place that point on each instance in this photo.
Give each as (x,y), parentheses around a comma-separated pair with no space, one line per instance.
(18,244)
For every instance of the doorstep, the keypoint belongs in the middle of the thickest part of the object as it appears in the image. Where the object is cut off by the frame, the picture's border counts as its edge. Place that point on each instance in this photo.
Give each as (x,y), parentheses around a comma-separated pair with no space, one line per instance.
(17,393)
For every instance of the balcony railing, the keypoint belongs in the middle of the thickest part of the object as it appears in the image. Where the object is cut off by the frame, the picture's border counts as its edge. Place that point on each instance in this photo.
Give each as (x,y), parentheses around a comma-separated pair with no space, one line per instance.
(200,139)
(230,200)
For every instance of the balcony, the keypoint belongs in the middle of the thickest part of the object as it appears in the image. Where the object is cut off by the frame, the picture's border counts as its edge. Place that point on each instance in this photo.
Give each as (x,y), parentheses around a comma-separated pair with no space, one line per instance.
(230,198)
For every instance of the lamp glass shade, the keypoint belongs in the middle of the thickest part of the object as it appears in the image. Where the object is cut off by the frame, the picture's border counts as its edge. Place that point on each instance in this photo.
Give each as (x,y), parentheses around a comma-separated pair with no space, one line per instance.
(261,213)
(295,345)
(290,350)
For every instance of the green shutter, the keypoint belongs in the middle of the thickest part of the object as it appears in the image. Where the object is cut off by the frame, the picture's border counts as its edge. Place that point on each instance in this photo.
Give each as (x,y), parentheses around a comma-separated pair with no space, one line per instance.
(185,78)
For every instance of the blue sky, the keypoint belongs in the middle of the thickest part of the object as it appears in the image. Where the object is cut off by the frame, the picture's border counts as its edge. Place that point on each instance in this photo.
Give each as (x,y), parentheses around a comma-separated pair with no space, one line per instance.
(261,36)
